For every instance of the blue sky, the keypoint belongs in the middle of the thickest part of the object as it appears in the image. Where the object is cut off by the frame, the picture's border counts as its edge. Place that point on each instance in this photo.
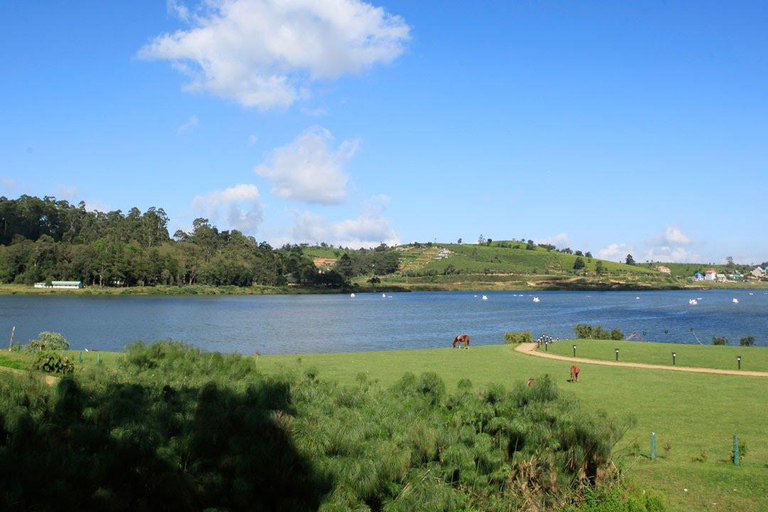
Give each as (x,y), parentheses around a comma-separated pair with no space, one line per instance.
(613,127)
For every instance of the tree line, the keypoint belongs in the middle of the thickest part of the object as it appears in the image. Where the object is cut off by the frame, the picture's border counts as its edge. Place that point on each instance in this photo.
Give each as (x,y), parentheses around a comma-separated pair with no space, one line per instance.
(45,239)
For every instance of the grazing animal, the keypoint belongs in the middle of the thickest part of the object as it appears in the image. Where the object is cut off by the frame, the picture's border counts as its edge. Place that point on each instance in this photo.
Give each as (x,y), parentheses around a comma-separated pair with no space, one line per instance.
(575,373)
(530,382)
(461,338)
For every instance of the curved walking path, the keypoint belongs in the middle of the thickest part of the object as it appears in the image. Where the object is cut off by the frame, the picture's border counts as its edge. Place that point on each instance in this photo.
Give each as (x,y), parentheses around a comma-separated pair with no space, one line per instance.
(530,349)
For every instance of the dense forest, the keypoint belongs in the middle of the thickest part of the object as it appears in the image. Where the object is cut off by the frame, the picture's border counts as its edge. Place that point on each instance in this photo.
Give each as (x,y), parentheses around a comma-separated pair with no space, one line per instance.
(48,239)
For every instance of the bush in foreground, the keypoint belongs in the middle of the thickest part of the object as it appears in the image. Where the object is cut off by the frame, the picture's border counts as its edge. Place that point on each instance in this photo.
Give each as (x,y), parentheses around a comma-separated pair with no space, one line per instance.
(48,341)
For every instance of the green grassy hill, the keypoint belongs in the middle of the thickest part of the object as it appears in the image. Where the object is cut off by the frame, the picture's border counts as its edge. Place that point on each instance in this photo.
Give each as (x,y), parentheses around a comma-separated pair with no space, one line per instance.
(506,265)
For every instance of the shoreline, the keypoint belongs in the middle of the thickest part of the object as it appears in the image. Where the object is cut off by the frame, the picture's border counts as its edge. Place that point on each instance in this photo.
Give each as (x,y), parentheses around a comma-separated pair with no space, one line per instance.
(193,290)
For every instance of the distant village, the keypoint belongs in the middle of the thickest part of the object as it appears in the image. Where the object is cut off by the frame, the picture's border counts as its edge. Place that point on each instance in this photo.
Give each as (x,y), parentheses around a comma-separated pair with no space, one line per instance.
(712,275)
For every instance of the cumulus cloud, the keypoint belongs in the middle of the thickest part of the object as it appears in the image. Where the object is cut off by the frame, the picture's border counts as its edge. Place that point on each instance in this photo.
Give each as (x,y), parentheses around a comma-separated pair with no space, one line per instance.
(674,236)
(238,206)
(97,206)
(10,185)
(189,125)
(368,230)
(615,252)
(266,53)
(64,192)
(671,254)
(560,241)
(308,170)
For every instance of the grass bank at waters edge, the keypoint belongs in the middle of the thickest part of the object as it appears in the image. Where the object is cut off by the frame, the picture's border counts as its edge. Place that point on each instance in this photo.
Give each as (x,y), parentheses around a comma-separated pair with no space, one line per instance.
(701,356)
(694,414)
(162,290)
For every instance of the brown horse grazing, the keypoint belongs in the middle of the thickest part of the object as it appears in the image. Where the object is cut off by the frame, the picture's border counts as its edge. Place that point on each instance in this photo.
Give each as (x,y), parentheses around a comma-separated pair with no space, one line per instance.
(575,373)
(461,338)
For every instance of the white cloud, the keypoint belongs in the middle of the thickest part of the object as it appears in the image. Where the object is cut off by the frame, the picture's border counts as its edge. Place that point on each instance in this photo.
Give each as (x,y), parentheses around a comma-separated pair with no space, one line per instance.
(314,112)
(239,206)
(252,140)
(189,125)
(97,206)
(615,252)
(674,236)
(368,230)
(307,170)
(671,255)
(10,185)
(266,53)
(178,9)
(560,241)
(63,192)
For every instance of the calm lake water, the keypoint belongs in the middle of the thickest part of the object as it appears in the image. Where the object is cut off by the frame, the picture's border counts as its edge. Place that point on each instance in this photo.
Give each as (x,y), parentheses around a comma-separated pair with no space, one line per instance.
(280,324)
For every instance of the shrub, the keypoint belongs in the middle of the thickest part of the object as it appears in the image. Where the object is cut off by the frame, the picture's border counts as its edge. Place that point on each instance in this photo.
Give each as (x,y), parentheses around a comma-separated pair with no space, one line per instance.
(518,337)
(48,341)
(53,362)
(747,341)
(719,340)
(742,451)
(589,332)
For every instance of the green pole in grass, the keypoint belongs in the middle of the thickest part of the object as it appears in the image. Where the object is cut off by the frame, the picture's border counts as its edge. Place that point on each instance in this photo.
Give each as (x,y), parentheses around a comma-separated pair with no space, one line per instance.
(653,445)
(80,357)
(736,450)
(98,358)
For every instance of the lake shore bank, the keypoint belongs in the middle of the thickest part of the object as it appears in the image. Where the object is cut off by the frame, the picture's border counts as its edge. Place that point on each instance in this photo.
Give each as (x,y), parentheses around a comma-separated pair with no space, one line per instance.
(534,284)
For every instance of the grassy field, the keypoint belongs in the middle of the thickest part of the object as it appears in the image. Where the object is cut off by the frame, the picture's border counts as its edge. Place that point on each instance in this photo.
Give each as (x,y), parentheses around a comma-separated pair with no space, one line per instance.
(702,356)
(695,415)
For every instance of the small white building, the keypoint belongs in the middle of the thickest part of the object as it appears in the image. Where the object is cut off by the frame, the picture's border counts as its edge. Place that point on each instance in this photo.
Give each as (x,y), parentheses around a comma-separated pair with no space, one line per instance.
(710,275)
(61,284)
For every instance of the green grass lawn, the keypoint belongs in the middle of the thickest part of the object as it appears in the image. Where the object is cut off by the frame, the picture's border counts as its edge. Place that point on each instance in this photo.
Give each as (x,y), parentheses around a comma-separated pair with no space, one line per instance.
(703,356)
(694,413)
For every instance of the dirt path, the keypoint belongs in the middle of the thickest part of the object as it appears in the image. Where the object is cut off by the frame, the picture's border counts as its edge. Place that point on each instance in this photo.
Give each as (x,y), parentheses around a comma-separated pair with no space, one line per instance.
(530,349)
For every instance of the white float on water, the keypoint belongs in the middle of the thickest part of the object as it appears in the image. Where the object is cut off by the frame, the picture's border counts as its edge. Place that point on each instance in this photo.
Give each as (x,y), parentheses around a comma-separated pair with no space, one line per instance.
(735,300)
(536,299)
(352,295)
(693,302)
(485,297)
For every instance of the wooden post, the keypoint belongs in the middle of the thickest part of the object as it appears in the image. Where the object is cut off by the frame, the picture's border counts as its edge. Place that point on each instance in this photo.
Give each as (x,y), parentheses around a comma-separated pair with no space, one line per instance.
(10,343)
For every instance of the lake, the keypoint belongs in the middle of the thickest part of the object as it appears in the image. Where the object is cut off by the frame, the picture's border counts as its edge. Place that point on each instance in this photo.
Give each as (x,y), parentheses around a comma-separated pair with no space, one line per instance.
(280,324)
